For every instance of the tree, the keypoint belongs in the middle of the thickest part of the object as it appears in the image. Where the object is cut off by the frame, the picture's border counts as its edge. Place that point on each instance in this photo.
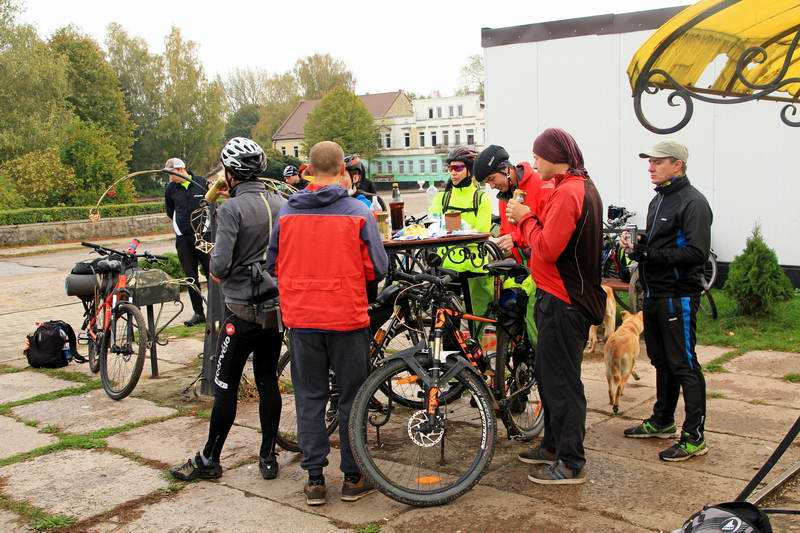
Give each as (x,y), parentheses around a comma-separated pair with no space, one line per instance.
(39,179)
(282,97)
(342,117)
(241,123)
(95,93)
(140,76)
(246,86)
(472,76)
(192,125)
(318,74)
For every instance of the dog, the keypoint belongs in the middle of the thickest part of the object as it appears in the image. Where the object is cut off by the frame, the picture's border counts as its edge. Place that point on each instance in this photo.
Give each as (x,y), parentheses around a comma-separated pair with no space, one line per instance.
(609,321)
(621,351)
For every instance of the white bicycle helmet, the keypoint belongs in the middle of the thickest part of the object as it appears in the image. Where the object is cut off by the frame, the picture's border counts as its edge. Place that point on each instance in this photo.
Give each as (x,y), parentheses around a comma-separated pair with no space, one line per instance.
(290,170)
(244,158)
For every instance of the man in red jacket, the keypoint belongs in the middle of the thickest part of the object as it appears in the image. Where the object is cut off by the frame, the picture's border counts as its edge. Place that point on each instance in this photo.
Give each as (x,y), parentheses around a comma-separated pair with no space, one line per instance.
(324,250)
(565,240)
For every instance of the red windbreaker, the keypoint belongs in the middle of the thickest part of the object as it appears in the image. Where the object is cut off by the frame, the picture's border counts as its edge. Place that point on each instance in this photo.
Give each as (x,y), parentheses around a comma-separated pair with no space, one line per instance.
(536,194)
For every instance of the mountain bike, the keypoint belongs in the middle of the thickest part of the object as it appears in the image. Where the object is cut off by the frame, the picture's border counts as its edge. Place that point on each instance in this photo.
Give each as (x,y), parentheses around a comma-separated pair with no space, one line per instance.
(435,449)
(113,327)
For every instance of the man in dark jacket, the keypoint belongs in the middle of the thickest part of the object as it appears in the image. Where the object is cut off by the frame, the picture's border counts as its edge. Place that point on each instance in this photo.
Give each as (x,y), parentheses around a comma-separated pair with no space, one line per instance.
(181,198)
(671,255)
(243,228)
(324,250)
(565,240)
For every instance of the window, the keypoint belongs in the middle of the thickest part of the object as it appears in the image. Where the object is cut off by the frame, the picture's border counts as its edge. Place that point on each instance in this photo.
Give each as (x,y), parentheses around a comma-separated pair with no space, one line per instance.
(434,166)
(433,138)
(438,112)
(401,167)
(379,166)
(470,136)
(410,166)
(388,167)
(421,139)
(296,151)
(283,150)
(406,139)
(460,110)
(457,137)
(422,166)
(450,109)
(430,112)
(387,138)
(445,137)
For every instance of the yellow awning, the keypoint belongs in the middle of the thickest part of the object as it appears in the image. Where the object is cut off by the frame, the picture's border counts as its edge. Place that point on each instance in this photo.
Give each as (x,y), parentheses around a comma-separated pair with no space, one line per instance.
(686,44)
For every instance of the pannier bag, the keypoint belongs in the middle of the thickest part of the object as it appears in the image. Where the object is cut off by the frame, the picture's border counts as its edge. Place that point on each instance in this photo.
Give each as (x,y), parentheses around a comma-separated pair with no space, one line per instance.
(150,287)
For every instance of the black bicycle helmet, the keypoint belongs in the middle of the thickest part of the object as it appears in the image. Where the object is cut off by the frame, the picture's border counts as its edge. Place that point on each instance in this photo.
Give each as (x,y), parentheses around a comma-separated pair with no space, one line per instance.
(464,155)
(353,163)
(492,159)
(244,158)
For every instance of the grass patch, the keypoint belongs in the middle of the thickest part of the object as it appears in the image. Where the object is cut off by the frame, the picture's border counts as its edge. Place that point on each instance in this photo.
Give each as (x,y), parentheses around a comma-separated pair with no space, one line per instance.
(5,369)
(72,391)
(66,442)
(108,432)
(52,522)
(716,395)
(38,519)
(51,429)
(180,331)
(203,413)
(369,528)
(31,423)
(792,378)
(779,330)
(66,375)
(717,365)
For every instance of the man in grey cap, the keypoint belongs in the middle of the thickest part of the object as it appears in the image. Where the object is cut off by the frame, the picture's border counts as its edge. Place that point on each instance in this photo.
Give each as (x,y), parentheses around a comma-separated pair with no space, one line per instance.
(181,197)
(671,256)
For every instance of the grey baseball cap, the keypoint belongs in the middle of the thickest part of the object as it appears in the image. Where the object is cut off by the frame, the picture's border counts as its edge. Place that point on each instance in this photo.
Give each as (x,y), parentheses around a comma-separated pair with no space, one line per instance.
(173,163)
(668,148)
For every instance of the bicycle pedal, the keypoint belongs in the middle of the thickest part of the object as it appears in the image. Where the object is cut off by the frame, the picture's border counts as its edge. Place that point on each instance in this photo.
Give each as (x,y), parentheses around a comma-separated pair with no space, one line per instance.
(83,338)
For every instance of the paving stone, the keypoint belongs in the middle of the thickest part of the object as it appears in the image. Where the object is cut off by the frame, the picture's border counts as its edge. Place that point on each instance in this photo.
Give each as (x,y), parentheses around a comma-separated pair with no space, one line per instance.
(728,456)
(90,412)
(734,417)
(755,389)
(8,521)
(487,509)
(24,385)
(706,354)
(206,507)
(634,395)
(639,492)
(79,483)
(288,489)
(596,370)
(181,351)
(766,363)
(19,438)
(175,440)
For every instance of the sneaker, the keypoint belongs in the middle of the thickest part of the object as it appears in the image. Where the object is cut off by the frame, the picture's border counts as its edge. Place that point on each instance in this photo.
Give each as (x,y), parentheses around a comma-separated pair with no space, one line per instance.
(355,490)
(196,469)
(538,456)
(268,467)
(684,449)
(647,429)
(557,474)
(196,318)
(315,492)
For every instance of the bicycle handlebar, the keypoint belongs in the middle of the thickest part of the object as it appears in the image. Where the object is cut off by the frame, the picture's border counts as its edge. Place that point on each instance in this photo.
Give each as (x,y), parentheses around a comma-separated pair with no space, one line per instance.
(102,250)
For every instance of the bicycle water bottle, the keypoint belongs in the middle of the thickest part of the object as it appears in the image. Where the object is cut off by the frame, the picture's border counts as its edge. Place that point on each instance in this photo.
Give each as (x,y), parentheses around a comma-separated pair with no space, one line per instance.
(66,351)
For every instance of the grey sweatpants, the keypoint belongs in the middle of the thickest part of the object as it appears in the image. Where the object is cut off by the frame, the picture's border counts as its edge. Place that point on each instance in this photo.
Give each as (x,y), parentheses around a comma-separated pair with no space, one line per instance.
(312,354)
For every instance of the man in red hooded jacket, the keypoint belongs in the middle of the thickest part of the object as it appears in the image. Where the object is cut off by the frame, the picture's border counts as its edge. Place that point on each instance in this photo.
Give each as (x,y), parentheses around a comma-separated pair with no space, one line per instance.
(565,240)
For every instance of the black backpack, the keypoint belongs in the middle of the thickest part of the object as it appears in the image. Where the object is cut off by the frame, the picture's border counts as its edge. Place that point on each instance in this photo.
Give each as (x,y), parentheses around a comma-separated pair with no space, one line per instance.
(732,517)
(47,345)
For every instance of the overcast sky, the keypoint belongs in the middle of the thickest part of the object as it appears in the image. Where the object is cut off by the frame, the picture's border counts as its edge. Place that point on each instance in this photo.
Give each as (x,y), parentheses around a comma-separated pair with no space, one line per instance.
(416,46)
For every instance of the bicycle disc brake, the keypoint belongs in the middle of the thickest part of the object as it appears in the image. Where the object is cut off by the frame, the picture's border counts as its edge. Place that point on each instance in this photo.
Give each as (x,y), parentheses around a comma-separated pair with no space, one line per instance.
(422,432)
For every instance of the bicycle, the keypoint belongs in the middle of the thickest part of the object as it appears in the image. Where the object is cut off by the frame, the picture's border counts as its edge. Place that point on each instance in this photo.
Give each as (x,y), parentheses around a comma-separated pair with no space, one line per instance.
(113,326)
(460,394)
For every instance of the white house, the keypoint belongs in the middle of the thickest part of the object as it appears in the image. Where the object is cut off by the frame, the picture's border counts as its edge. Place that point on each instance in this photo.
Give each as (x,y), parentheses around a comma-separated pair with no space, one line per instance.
(571,74)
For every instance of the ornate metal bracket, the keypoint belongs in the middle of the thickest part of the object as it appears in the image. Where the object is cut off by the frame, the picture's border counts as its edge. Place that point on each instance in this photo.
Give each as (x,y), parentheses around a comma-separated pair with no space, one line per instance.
(648,82)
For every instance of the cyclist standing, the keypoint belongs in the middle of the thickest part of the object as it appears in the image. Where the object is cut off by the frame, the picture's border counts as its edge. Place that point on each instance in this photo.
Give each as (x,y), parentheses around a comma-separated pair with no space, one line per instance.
(243,228)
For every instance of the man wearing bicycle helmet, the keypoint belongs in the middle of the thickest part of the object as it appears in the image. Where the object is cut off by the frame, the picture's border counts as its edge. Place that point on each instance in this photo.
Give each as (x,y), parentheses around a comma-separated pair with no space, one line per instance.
(671,255)
(462,195)
(358,172)
(292,176)
(244,222)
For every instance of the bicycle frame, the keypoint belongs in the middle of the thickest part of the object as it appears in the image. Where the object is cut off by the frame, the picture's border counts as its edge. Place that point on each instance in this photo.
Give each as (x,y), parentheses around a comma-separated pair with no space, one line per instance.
(106,307)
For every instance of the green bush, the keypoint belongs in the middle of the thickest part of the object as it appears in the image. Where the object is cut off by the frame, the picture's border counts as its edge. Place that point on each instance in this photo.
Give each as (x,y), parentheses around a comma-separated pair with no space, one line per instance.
(40,178)
(12,217)
(756,281)
(9,197)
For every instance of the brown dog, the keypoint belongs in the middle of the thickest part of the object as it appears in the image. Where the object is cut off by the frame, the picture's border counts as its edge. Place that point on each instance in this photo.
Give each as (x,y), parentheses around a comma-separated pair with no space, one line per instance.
(621,351)
(609,321)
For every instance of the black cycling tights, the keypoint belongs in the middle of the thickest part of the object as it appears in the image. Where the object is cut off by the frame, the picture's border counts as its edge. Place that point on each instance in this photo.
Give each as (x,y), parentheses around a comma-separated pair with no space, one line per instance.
(238,338)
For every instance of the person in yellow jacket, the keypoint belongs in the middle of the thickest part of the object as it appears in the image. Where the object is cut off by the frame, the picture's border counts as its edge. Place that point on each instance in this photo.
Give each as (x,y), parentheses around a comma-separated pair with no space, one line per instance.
(462,195)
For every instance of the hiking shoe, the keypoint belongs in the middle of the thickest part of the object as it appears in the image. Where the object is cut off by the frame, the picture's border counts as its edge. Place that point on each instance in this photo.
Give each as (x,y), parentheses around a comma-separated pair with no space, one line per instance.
(268,467)
(538,456)
(315,492)
(355,490)
(196,469)
(684,449)
(647,430)
(557,474)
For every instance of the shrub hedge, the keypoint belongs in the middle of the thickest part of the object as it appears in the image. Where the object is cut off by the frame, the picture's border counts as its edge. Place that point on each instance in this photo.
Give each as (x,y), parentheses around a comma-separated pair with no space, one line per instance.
(12,217)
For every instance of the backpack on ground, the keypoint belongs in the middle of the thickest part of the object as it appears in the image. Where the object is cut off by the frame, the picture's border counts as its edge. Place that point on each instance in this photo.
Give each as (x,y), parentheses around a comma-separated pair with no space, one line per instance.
(47,346)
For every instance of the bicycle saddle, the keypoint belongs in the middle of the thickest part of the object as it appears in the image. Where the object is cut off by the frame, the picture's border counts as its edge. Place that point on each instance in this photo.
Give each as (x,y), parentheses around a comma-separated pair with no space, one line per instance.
(507,267)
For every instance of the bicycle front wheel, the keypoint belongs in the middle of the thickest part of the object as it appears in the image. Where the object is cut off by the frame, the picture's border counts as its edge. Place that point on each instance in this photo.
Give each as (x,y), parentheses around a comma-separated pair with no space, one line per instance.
(416,459)
(123,354)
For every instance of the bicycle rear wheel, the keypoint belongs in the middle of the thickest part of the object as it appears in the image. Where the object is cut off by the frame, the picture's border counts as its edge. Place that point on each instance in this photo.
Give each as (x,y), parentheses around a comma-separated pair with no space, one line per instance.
(93,348)
(514,379)
(287,437)
(419,460)
(123,353)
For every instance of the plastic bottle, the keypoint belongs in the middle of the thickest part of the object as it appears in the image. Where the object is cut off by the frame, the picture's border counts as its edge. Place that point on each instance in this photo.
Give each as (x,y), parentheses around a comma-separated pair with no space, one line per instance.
(430,194)
(375,206)
(396,192)
(66,352)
